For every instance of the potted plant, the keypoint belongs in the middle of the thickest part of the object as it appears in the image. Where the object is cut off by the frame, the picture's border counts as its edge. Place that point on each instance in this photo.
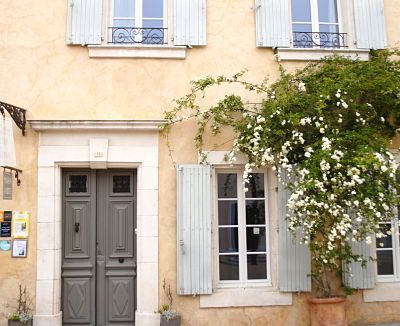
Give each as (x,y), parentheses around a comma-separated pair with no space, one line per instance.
(169,316)
(325,130)
(22,314)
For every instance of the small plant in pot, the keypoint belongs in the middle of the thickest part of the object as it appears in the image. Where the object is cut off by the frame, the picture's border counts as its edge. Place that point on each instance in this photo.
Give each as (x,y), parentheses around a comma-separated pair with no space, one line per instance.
(169,316)
(22,315)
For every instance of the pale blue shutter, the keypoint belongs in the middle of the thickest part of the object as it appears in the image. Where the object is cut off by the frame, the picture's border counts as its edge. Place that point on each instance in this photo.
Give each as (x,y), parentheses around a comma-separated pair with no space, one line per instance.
(194,229)
(272,23)
(294,258)
(370,24)
(360,277)
(84,22)
(189,22)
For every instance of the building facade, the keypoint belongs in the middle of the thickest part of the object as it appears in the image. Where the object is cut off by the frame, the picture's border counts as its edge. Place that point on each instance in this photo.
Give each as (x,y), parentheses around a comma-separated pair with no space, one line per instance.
(111,215)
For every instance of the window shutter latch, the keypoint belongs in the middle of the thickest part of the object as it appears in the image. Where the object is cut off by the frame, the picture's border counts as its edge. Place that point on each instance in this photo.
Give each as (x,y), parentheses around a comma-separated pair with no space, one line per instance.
(181,244)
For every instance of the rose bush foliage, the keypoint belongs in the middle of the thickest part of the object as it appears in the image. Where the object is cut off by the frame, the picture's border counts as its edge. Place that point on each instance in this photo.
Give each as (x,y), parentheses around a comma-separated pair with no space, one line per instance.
(327,129)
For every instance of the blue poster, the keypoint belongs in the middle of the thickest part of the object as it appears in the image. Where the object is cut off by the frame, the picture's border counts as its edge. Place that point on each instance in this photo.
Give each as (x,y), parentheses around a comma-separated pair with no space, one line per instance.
(5,245)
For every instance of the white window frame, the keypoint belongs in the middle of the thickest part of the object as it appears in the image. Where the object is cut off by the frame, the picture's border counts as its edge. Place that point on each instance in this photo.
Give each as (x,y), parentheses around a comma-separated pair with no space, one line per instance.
(315,21)
(138,21)
(395,254)
(243,282)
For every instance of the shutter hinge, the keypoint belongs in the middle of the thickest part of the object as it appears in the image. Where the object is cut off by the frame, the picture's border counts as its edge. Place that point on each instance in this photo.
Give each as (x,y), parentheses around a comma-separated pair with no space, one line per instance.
(276,189)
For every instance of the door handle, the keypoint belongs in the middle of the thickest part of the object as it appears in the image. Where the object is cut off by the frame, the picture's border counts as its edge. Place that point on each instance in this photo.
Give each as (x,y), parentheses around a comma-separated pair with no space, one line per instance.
(121,260)
(77,227)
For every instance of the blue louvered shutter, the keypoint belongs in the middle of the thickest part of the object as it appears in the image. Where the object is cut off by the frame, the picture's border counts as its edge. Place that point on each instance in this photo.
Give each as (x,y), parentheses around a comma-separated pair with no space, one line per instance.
(360,277)
(194,229)
(294,258)
(272,23)
(190,22)
(370,24)
(84,22)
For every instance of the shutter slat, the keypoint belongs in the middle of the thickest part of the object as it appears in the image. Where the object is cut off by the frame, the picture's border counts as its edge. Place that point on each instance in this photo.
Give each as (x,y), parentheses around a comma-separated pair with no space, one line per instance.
(360,277)
(194,229)
(272,23)
(370,24)
(294,258)
(84,22)
(190,22)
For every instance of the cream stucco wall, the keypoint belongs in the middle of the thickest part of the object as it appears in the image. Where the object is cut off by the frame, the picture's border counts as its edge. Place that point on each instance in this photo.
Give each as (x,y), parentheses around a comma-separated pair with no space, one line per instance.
(54,81)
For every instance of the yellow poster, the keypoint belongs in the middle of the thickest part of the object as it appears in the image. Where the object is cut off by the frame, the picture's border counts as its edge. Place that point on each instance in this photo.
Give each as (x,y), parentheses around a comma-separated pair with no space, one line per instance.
(20,224)
(1,216)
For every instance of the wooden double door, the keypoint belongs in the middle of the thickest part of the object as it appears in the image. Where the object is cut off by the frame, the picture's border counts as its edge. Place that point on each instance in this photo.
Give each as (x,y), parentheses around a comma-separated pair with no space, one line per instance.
(99,252)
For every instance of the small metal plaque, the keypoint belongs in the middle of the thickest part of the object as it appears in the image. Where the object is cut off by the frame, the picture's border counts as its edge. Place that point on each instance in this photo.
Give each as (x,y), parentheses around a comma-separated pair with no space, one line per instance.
(7,185)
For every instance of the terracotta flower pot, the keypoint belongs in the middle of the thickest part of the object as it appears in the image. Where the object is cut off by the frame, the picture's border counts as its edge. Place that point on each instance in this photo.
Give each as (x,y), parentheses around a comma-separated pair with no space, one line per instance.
(328,311)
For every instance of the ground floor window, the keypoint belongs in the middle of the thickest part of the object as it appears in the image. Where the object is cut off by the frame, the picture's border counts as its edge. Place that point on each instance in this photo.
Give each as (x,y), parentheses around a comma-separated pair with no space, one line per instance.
(388,252)
(242,228)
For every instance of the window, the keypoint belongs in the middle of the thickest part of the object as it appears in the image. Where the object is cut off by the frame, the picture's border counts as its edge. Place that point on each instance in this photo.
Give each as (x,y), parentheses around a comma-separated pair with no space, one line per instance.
(138,21)
(242,222)
(388,252)
(315,23)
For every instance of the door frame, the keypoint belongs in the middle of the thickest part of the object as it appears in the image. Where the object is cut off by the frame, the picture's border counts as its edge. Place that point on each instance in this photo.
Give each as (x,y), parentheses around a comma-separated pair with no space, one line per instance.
(131,149)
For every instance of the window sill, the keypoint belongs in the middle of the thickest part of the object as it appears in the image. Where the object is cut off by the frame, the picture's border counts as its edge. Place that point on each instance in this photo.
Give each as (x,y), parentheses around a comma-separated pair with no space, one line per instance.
(388,291)
(247,297)
(137,51)
(298,54)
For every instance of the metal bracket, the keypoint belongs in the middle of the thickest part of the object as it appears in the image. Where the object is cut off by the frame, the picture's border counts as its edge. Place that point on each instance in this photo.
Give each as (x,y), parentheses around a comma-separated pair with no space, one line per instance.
(16,171)
(16,113)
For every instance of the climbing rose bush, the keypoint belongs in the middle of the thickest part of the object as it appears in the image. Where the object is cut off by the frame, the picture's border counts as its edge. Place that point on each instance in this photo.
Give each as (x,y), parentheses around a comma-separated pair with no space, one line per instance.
(325,130)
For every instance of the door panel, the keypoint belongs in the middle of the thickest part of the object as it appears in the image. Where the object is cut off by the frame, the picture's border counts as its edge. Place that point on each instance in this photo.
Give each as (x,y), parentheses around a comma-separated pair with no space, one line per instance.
(116,250)
(99,254)
(79,244)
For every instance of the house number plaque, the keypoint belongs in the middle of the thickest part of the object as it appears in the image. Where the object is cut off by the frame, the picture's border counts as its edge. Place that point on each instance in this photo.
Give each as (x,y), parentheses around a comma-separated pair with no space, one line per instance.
(7,185)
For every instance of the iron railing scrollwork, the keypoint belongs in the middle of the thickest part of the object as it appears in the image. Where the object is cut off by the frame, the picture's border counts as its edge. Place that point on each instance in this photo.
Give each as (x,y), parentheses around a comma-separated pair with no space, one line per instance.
(133,35)
(320,40)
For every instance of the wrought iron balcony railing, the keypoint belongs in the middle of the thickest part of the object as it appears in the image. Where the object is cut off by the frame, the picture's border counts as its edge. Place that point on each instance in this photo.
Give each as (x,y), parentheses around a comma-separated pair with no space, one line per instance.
(133,35)
(319,40)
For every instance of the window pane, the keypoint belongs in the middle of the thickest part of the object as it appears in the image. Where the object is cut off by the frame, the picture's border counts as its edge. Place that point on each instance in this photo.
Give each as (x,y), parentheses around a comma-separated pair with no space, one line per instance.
(124,8)
(228,240)
(385,262)
(255,186)
(256,267)
(328,28)
(121,183)
(78,183)
(255,212)
(227,185)
(387,241)
(229,268)
(302,36)
(124,23)
(327,11)
(153,8)
(301,11)
(255,239)
(227,212)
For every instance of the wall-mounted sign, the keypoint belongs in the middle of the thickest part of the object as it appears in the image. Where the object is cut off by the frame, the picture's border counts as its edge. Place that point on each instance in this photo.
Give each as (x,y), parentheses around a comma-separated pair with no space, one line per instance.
(5,229)
(20,222)
(5,245)
(7,185)
(19,248)
(7,216)
(1,216)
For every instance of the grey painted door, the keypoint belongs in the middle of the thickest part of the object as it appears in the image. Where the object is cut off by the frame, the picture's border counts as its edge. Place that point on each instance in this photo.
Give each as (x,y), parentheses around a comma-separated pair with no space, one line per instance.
(99,254)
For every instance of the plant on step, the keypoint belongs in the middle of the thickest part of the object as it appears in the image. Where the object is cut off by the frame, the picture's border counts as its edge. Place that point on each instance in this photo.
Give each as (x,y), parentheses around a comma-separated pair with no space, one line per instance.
(325,130)
(23,311)
(166,309)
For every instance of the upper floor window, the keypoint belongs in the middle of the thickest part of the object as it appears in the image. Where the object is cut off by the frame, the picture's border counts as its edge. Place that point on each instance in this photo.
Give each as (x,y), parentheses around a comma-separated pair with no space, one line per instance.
(315,23)
(138,21)
(243,251)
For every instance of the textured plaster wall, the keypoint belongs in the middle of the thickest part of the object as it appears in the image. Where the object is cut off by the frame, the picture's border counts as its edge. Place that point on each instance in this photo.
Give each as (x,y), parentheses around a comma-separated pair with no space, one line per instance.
(53,81)
(15,271)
